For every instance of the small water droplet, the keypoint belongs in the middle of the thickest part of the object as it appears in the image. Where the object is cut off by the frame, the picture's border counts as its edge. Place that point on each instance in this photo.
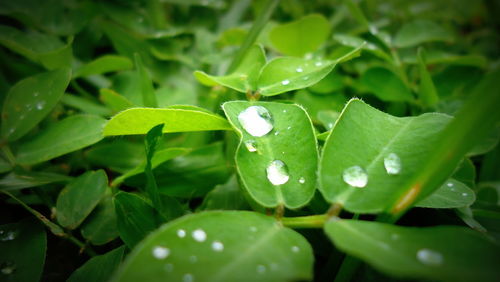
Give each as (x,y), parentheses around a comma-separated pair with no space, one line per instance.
(276,133)
(188,277)
(7,268)
(284,111)
(40,105)
(36,94)
(355,176)
(302,180)
(193,259)
(373,29)
(318,64)
(256,120)
(289,128)
(251,146)
(295,249)
(217,246)
(277,172)
(330,125)
(169,267)
(299,69)
(160,252)
(308,56)
(449,184)
(199,235)
(261,268)
(181,233)
(392,164)
(429,257)
(253,228)
(8,235)
(305,78)
(394,236)
(464,194)
(285,82)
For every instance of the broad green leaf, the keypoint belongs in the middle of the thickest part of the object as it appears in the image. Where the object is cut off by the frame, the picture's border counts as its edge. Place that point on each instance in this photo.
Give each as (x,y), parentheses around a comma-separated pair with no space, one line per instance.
(420,31)
(114,101)
(17,180)
(104,64)
(68,135)
(288,152)
(118,155)
(23,247)
(302,36)
(386,85)
(357,148)
(244,78)
(100,226)
(147,89)
(30,100)
(99,268)
(136,218)
(85,105)
(227,196)
(80,197)
(427,90)
(452,194)
(443,253)
(141,120)
(220,246)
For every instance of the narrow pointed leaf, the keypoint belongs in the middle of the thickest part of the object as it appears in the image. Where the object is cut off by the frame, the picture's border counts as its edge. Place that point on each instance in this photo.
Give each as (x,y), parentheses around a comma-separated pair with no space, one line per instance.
(290,141)
(452,194)
(427,90)
(104,64)
(443,253)
(153,137)
(147,90)
(99,268)
(220,246)
(364,137)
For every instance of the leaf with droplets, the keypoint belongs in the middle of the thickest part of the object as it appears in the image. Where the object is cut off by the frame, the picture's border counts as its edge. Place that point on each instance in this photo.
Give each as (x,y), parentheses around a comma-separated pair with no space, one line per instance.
(220,246)
(99,268)
(452,194)
(30,100)
(366,138)
(436,253)
(141,120)
(277,146)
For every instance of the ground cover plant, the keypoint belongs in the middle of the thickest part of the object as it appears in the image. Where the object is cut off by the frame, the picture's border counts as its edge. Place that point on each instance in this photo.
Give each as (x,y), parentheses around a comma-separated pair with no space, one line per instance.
(165,140)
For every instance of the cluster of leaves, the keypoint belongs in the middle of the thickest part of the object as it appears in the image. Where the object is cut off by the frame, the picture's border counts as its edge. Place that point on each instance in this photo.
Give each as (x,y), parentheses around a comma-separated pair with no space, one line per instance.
(201,185)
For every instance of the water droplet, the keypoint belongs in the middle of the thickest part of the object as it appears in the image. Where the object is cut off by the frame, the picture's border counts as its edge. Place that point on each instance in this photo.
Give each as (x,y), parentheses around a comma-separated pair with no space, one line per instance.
(253,228)
(217,246)
(295,249)
(160,252)
(429,257)
(8,236)
(285,82)
(40,105)
(299,69)
(449,184)
(193,259)
(261,268)
(284,111)
(289,128)
(7,268)
(251,146)
(276,133)
(355,176)
(256,120)
(277,172)
(305,78)
(181,233)
(392,164)
(169,267)
(199,235)
(464,194)
(308,56)
(36,94)
(188,277)
(373,29)
(302,180)
(330,125)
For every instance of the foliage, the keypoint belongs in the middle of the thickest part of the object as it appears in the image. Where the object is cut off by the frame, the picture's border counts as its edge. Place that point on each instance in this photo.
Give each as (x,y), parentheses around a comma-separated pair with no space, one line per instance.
(249,140)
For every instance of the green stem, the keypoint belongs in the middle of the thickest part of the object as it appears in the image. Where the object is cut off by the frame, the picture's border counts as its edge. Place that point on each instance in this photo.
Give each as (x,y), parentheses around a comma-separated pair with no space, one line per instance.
(260,22)
(312,221)
(8,154)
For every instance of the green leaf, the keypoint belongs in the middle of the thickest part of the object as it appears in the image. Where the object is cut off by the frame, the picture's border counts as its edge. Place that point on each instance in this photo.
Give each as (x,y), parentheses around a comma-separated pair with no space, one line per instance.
(23,246)
(30,100)
(290,129)
(244,78)
(68,135)
(26,179)
(302,36)
(99,268)
(444,253)
(427,90)
(386,85)
(114,101)
(452,194)
(100,226)
(118,155)
(354,42)
(153,137)
(227,196)
(364,137)
(136,218)
(85,105)
(420,31)
(80,197)
(141,120)
(104,64)
(147,89)
(223,246)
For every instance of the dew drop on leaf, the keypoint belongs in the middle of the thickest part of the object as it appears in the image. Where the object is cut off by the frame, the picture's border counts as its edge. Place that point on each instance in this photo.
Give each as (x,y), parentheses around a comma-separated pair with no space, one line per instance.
(299,69)
(318,64)
(188,277)
(160,252)
(277,172)
(251,146)
(7,235)
(302,180)
(256,120)
(355,176)
(464,194)
(429,257)
(36,94)
(295,249)
(217,246)
(261,268)
(181,233)
(392,164)
(449,184)
(285,82)
(7,268)
(40,105)
(199,235)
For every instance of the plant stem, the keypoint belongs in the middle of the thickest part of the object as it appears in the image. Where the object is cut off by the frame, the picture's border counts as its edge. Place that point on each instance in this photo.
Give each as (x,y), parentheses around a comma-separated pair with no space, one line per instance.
(260,22)
(8,154)
(312,221)
(334,210)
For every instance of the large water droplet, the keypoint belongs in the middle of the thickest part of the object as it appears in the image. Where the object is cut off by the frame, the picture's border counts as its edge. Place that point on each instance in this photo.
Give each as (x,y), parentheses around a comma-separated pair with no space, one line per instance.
(160,252)
(7,268)
(429,257)
(251,146)
(392,164)
(188,277)
(277,172)
(181,233)
(256,120)
(217,246)
(199,235)
(285,82)
(40,105)
(355,176)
